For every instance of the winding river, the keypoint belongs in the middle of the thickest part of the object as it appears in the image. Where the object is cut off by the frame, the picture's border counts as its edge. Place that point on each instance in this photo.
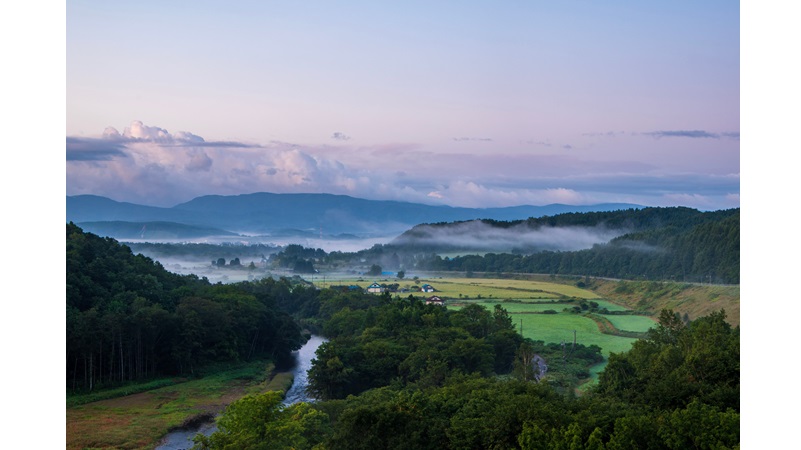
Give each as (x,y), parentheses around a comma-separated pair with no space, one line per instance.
(182,440)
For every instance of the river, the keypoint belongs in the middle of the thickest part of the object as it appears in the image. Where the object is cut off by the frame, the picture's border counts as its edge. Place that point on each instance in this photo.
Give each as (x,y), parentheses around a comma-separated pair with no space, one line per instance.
(182,440)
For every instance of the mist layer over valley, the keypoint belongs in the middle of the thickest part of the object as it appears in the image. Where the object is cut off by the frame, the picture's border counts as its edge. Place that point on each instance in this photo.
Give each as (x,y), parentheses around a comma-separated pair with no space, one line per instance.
(480,236)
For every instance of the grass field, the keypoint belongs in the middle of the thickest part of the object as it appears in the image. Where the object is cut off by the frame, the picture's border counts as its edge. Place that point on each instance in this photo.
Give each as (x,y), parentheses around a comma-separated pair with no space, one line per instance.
(559,327)
(555,328)
(140,420)
(491,288)
(632,323)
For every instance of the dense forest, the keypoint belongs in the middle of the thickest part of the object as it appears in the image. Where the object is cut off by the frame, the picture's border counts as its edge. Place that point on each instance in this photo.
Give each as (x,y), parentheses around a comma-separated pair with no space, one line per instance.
(403,375)
(680,244)
(129,319)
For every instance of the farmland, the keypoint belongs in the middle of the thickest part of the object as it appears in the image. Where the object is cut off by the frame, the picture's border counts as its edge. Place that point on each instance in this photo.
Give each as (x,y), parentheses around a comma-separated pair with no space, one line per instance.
(527,300)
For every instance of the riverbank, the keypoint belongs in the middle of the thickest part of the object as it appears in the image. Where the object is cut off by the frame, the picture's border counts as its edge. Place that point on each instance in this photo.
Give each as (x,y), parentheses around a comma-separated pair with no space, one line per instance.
(139,421)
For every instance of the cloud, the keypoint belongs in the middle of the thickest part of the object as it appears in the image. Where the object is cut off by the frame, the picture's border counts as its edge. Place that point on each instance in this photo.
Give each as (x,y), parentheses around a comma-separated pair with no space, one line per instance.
(88,149)
(478,195)
(567,147)
(695,134)
(340,136)
(149,165)
(139,132)
(732,134)
(464,139)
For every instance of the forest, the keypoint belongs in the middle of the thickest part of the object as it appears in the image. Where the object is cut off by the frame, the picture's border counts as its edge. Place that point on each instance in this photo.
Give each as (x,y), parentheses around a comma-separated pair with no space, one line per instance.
(129,319)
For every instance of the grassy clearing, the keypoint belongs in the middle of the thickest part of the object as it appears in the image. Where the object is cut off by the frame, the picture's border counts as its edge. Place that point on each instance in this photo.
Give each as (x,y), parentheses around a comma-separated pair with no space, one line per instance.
(555,328)
(559,327)
(139,421)
(632,323)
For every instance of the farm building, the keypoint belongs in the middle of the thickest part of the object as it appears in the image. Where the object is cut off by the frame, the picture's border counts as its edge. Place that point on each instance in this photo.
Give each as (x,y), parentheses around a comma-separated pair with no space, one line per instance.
(375,288)
(435,300)
(426,288)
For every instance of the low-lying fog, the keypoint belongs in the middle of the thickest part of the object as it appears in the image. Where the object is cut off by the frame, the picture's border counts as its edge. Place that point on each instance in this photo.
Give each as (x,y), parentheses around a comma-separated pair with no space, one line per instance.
(467,237)
(478,236)
(201,265)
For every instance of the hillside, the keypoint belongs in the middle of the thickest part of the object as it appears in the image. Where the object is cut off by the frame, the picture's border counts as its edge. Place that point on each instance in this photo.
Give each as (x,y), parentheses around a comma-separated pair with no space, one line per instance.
(695,300)
(129,319)
(680,244)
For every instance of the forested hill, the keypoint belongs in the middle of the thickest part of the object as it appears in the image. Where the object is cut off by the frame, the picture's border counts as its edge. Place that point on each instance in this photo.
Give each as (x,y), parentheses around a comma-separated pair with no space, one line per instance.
(671,220)
(130,319)
(652,243)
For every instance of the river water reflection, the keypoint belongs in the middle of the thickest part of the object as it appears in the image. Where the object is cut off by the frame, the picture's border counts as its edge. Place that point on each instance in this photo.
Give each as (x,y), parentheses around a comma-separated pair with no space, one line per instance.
(182,440)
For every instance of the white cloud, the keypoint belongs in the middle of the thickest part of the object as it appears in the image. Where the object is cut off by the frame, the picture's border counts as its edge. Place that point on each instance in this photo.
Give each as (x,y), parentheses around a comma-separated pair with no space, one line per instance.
(147,164)
(472,194)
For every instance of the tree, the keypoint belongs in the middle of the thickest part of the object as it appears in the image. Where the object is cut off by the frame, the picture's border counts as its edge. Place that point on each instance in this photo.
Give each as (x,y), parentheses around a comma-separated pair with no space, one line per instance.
(401,274)
(375,270)
(260,421)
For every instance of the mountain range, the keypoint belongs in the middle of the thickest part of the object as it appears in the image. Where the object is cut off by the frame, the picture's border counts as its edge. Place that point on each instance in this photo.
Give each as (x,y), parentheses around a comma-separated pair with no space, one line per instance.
(269,213)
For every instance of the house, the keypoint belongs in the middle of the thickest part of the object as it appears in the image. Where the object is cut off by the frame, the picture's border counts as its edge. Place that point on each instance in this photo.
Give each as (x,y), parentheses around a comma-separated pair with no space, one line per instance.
(426,288)
(375,288)
(435,300)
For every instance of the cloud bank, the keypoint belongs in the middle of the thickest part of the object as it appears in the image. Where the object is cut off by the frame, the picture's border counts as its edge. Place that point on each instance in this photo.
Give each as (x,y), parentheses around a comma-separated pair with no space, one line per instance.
(150,165)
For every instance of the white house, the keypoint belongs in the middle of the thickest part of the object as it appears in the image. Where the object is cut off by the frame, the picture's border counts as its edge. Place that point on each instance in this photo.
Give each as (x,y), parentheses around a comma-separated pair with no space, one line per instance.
(435,300)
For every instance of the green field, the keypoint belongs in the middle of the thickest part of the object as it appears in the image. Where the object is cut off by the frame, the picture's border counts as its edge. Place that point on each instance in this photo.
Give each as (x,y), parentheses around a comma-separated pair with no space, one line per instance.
(631,323)
(559,327)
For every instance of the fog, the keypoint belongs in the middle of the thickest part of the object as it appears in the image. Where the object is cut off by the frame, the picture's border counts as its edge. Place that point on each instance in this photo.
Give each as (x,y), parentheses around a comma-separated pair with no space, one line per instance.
(256,249)
(478,236)
(329,244)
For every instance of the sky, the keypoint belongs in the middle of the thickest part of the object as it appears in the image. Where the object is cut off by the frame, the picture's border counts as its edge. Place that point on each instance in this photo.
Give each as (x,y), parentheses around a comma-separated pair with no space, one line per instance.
(476,104)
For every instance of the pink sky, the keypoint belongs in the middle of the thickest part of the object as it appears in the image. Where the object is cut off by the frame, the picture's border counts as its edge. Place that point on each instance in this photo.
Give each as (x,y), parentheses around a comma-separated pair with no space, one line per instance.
(454,103)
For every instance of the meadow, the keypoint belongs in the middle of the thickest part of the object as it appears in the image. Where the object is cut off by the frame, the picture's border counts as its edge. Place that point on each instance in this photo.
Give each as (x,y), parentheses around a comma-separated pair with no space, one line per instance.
(138,421)
(632,322)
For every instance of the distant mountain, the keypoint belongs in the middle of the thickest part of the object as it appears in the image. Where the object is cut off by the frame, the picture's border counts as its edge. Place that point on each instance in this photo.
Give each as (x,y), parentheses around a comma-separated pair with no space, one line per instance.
(266,213)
